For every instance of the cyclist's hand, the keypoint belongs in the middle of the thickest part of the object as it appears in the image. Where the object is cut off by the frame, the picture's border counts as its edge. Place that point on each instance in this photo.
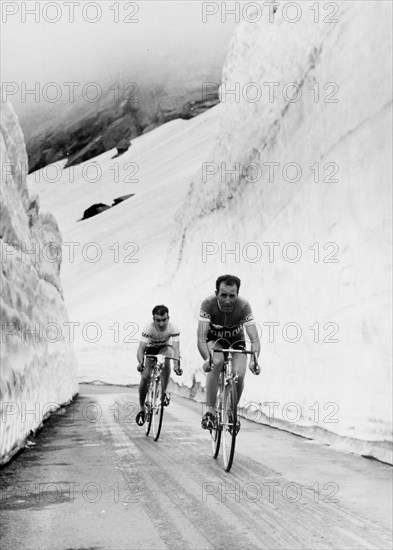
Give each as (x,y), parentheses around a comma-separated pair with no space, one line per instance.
(178,370)
(254,367)
(140,367)
(207,366)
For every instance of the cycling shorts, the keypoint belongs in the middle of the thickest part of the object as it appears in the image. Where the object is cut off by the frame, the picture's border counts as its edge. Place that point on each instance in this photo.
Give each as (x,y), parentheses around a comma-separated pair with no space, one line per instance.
(155,350)
(232,342)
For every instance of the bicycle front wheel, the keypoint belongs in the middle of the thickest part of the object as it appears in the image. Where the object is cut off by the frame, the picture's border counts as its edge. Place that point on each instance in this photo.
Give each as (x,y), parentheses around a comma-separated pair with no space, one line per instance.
(215,434)
(158,408)
(229,423)
(148,406)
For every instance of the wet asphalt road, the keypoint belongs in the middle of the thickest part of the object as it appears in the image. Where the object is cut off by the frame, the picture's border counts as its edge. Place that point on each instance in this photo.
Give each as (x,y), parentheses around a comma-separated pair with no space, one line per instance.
(93,480)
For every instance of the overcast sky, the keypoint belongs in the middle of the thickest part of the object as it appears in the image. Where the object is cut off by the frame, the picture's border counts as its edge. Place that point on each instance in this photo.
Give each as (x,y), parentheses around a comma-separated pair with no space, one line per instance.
(161,37)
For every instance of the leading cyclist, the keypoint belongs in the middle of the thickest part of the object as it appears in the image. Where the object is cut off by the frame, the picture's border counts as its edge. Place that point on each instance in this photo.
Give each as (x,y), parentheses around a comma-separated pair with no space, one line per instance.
(222,318)
(160,336)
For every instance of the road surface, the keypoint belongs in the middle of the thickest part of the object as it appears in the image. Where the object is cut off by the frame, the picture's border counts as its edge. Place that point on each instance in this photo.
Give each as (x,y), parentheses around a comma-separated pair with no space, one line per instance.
(92,480)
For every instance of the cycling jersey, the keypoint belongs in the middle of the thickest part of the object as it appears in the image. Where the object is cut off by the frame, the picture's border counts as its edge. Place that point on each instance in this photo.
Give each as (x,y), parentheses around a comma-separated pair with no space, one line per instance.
(157,338)
(226,325)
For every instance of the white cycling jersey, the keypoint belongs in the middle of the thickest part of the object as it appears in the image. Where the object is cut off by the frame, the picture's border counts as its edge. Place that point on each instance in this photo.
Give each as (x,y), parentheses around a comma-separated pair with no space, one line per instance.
(157,338)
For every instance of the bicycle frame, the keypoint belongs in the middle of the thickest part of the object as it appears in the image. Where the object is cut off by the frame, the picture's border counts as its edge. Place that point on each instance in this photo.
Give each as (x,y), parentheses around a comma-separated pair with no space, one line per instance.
(155,394)
(225,429)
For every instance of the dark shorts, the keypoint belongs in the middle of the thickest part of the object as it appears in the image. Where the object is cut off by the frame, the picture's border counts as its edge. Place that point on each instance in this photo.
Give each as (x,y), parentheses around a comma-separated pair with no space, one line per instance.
(234,343)
(155,350)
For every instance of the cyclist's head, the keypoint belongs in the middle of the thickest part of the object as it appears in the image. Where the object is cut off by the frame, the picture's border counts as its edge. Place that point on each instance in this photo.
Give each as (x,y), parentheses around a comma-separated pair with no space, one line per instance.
(229,280)
(160,317)
(160,310)
(227,289)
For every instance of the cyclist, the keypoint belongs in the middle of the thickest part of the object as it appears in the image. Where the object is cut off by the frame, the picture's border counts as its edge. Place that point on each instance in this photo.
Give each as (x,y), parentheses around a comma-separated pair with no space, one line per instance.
(222,318)
(159,336)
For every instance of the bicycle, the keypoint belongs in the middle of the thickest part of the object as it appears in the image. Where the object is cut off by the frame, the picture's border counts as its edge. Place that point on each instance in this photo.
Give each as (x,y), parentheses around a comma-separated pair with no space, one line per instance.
(154,402)
(225,426)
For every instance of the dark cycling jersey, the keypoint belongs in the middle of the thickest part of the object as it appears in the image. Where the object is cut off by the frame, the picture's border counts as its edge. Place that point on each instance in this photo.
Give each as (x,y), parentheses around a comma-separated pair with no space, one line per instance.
(226,325)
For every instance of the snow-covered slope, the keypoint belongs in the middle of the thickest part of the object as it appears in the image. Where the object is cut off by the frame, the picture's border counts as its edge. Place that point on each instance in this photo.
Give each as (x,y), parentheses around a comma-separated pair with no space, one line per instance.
(38,368)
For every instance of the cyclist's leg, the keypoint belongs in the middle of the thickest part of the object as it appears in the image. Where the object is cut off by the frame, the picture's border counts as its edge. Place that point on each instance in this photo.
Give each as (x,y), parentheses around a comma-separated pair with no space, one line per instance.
(213,377)
(144,383)
(166,370)
(239,365)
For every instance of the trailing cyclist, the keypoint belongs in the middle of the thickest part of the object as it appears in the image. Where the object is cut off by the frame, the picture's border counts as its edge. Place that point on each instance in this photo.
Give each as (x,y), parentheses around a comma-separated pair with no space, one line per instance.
(223,318)
(160,336)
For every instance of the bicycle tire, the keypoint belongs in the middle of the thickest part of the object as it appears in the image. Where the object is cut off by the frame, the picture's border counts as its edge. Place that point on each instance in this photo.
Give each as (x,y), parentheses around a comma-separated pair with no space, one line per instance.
(215,434)
(158,408)
(149,398)
(229,423)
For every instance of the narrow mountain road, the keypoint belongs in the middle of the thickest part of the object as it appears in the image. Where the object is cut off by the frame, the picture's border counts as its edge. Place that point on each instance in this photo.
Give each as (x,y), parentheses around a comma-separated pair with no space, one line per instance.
(93,480)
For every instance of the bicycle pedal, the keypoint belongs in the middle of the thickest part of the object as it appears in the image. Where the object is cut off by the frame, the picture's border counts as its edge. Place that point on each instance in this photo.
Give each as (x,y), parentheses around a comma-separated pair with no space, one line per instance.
(230,428)
(167,399)
(208,422)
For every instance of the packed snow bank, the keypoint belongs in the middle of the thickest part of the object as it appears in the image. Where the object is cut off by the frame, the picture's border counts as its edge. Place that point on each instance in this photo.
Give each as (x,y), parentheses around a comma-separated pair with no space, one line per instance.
(38,368)
(329,195)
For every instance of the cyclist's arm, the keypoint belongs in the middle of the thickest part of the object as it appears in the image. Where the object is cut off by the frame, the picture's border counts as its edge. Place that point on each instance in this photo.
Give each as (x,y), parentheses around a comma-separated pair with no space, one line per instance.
(203,329)
(141,351)
(176,349)
(252,333)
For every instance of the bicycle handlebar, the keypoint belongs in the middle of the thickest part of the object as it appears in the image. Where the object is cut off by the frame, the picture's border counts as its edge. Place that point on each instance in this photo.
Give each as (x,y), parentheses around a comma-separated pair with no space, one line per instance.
(232,350)
(151,356)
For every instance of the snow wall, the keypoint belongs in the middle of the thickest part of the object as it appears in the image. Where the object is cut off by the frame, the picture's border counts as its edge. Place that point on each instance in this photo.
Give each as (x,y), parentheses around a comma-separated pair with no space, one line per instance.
(311,175)
(38,367)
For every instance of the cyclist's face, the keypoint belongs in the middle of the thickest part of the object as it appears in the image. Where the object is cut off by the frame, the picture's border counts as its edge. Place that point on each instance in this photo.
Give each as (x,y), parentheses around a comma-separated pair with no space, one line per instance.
(227,296)
(161,321)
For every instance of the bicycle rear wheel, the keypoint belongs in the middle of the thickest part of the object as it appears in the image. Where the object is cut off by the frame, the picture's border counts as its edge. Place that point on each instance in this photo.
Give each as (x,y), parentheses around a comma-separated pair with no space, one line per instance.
(229,423)
(158,408)
(148,406)
(215,434)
